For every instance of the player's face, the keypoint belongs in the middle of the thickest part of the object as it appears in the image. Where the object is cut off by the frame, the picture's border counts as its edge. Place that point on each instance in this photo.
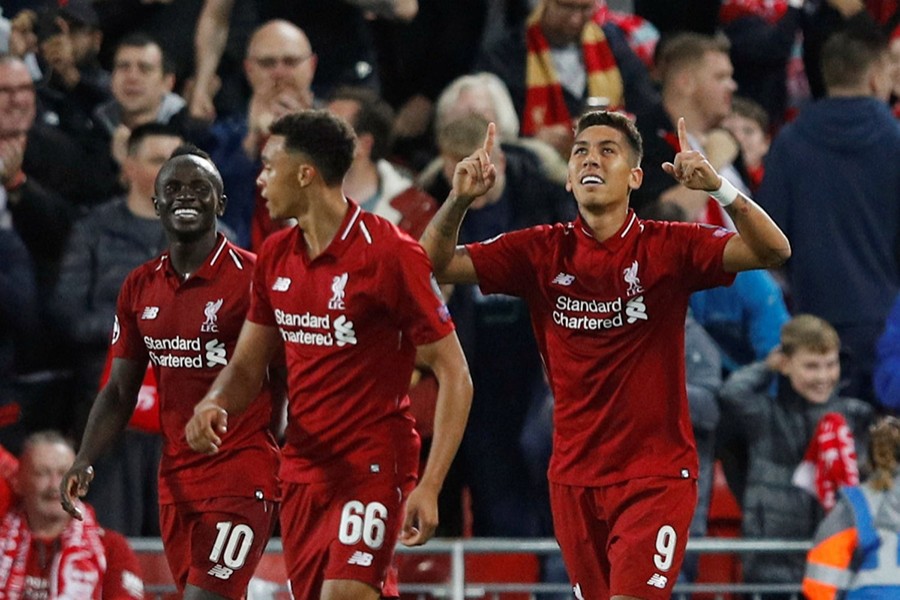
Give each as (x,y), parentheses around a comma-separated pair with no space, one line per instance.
(279,179)
(714,86)
(601,171)
(813,375)
(37,482)
(17,103)
(188,198)
(138,82)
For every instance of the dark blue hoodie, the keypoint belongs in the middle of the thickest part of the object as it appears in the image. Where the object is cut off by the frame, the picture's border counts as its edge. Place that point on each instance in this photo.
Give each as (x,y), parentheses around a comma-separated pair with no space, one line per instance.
(832,183)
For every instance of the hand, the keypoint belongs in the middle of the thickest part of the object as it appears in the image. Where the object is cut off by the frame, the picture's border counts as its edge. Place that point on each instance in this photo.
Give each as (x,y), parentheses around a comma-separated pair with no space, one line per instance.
(420,517)
(59,52)
(22,38)
(413,117)
(476,174)
(119,143)
(776,359)
(204,429)
(12,153)
(74,485)
(847,8)
(200,98)
(690,168)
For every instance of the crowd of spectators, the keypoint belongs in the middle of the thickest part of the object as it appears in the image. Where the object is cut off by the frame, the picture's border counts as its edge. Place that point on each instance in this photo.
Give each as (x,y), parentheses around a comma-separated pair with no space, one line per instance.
(796,102)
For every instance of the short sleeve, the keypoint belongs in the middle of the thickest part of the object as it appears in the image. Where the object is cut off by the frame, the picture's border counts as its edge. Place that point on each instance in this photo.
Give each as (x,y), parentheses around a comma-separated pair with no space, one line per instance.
(126,341)
(260,310)
(505,264)
(424,315)
(703,248)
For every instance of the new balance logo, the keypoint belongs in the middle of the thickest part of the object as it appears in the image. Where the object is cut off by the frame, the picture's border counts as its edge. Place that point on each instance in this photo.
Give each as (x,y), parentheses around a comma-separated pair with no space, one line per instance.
(149,313)
(363,559)
(658,581)
(220,572)
(281,284)
(564,279)
(636,309)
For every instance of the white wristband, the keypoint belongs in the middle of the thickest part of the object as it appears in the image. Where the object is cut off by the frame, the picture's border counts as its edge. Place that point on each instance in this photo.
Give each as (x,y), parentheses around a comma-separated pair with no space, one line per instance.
(796,3)
(726,194)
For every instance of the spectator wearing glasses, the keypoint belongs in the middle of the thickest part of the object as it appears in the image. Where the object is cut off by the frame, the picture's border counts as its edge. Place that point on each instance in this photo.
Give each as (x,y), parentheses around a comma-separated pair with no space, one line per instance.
(280,65)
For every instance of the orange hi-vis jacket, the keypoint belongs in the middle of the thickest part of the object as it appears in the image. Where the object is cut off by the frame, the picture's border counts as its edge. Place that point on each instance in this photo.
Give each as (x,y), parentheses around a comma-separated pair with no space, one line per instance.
(855,551)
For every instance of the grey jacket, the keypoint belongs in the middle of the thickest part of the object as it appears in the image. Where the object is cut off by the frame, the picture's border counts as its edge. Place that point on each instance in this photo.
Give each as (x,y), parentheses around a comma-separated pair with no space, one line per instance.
(779,425)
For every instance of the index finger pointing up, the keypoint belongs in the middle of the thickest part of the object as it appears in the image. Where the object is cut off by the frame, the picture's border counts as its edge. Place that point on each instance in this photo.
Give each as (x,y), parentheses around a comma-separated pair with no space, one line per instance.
(682,136)
(488,145)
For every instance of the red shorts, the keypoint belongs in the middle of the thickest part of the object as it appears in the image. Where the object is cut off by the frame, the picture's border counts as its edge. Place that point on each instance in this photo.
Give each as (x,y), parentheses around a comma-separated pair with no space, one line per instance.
(342,531)
(627,538)
(215,544)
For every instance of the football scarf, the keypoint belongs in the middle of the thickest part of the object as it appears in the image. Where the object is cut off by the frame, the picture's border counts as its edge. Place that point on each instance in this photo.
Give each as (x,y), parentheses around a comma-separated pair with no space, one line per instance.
(544,101)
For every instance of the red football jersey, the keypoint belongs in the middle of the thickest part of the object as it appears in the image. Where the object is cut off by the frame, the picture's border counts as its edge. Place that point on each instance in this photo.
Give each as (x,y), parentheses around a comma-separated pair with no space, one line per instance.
(609,322)
(188,330)
(350,321)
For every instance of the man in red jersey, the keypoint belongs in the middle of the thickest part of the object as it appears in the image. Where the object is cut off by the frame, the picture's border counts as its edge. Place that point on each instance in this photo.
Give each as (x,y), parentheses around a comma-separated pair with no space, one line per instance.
(607,295)
(351,301)
(46,554)
(182,312)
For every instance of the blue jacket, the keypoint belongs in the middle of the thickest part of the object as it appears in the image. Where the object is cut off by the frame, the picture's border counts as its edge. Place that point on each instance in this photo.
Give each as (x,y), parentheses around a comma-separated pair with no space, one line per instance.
(744,318)
(887,361)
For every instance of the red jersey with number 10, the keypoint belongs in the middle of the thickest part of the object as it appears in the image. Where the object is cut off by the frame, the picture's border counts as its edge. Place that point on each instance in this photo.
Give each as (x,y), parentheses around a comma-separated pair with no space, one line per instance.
(188,330)
(350,321)
(609,322)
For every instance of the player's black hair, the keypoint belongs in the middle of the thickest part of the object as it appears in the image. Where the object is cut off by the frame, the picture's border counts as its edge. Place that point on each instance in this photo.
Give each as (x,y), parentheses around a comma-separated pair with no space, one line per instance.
(326,140)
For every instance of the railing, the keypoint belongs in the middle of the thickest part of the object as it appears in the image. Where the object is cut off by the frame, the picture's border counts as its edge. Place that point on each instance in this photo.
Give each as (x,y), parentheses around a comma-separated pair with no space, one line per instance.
(458,588)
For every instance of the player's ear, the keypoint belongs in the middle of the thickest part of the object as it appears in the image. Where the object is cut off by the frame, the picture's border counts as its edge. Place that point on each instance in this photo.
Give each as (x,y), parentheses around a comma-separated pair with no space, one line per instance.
(635,178)
(221,204)
(156,205)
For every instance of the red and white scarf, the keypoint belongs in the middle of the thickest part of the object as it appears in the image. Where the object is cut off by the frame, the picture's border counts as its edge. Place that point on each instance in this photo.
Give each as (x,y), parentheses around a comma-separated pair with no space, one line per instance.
(77,569)
(829,461)
(544,101)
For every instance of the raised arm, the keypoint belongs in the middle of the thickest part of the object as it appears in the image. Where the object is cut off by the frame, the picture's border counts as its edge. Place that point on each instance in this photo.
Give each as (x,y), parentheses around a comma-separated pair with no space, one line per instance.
(210,38)
(234,388)
(760,243)
(473,177)
(108,418)
(447,362)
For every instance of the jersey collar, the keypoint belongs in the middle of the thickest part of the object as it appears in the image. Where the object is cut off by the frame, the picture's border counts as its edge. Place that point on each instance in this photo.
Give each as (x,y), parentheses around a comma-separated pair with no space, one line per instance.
(351,227)
(221,252)
(630,228)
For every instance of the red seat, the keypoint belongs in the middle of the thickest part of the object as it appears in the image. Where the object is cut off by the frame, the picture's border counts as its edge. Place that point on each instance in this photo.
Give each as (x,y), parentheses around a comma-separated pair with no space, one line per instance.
(724,521)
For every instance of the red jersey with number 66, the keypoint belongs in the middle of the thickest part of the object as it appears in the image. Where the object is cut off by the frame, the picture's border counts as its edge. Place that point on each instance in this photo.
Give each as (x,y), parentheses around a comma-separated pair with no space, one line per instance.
(350,321)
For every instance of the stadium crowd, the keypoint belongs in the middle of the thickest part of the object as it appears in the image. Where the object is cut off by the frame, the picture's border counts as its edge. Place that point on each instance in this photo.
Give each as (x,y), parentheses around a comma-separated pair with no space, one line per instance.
(795,102)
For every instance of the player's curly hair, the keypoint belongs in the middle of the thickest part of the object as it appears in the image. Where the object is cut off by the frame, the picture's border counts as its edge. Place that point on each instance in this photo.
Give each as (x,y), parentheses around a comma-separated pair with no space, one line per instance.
(325,139)
(885,443)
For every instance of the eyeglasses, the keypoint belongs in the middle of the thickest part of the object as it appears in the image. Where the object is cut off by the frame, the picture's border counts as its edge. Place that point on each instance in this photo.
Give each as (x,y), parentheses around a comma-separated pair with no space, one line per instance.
(270,62)
(15,89)
(575,7)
